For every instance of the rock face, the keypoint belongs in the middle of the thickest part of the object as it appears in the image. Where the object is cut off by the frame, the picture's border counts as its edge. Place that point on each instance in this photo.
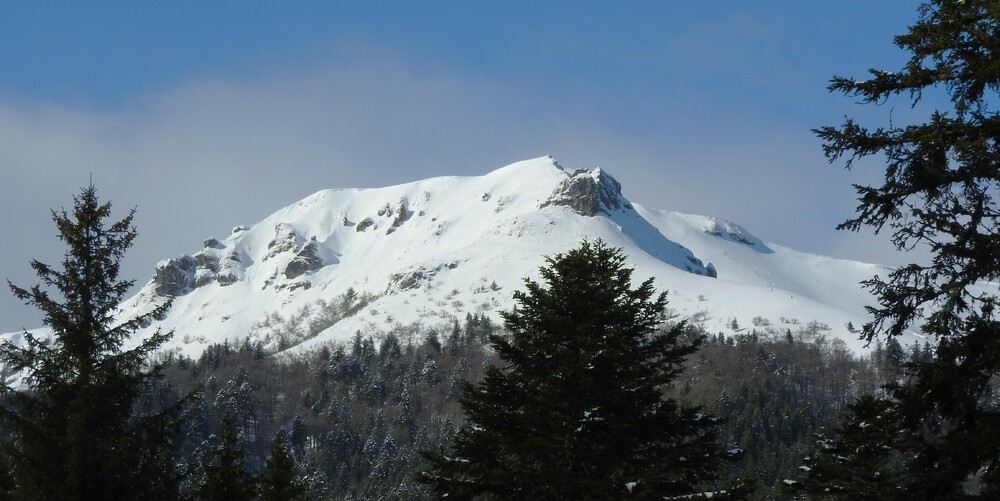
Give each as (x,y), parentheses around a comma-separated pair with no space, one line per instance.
(230,270)
(176,276)
(414,278)
(182,274)
(284,240)
(711,271)
(306,259)
(588,193)
(402,214)
(208,262)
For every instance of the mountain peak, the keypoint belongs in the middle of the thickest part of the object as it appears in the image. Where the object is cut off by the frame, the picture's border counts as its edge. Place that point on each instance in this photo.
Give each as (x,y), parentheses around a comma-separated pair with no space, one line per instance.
(429,251)
(589,192)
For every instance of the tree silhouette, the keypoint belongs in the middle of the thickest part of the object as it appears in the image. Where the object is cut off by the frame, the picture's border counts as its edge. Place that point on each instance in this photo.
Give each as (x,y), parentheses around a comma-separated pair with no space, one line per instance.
(279,482)
(225,476)
(577,410)
(72,432)
(941,178)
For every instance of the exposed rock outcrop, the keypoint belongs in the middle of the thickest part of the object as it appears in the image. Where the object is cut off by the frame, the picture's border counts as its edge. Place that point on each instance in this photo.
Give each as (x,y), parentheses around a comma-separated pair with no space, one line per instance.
(406,280)
(399,212)
(414,278)
(306,259)
(284,240)
(364,224)
(182,274)
(230,269)
(402,214)
(588,193)
(175,277)
(207,260)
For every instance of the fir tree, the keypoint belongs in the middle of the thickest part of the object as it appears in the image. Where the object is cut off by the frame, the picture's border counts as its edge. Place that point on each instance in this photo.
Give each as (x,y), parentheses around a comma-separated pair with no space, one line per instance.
(861,460)
(577,410)
(226,479)
(71,427)
(279,482)
(940,181)
(894,354)
(236,399)
(298,437)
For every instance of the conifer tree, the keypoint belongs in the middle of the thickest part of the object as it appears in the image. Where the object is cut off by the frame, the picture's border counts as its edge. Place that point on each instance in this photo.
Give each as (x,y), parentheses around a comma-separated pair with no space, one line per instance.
(279,482)
(941,178)
(862,459)
(226,479)
(577,411)
(70,427)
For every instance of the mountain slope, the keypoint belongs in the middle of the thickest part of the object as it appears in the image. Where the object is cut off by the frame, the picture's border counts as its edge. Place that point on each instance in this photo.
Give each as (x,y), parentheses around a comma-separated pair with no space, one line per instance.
(431,250)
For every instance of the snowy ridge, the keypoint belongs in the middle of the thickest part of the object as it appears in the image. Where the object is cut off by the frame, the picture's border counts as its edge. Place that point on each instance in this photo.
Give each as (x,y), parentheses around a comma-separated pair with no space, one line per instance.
(429,251)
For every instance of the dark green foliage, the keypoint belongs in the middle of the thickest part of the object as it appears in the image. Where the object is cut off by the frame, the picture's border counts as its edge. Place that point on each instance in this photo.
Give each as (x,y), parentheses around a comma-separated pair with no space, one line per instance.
(346,441)
(236,399)
(895,357)
(940,181)
(279,482)
(577,411)
(73,430)
(861,460)
(298,437)
(941,174)
(775,395)
(226,479)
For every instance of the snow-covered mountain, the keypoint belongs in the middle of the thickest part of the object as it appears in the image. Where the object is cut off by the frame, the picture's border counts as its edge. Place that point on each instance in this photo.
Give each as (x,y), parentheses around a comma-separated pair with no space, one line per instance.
(344,260)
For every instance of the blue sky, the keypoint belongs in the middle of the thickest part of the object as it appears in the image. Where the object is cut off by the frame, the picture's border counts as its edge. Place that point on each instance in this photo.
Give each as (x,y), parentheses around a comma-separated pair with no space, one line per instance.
(206,115)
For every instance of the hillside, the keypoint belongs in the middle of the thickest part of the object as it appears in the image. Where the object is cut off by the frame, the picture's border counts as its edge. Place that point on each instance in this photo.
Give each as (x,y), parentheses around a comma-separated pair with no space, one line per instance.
(344,260)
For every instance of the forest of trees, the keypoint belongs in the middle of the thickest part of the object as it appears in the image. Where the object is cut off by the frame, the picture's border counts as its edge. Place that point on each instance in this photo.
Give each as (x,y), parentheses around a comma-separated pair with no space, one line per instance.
(589,390)
(355,416)
(358,420)
(350,421)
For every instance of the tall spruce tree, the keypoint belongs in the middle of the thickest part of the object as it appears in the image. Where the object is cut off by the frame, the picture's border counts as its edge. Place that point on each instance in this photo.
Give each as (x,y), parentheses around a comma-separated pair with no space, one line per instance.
(862,459)
(70,430)
(941,177)
(577,410)
(226,478)
(279,482)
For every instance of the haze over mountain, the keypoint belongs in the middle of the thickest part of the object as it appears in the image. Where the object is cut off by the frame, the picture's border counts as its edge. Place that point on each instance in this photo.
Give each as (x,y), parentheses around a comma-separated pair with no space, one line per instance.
(344,260)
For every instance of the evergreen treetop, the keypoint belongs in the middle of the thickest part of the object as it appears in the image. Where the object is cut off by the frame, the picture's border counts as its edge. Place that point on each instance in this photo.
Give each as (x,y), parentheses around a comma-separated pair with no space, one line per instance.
(71,432)
(941,179)
(226,478)
(941,175)
(279,482)
(861,459)
(577,410)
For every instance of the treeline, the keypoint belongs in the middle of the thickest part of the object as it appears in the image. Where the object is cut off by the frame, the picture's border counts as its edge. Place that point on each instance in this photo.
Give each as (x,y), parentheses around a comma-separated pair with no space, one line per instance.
(354,415)
(777,391)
